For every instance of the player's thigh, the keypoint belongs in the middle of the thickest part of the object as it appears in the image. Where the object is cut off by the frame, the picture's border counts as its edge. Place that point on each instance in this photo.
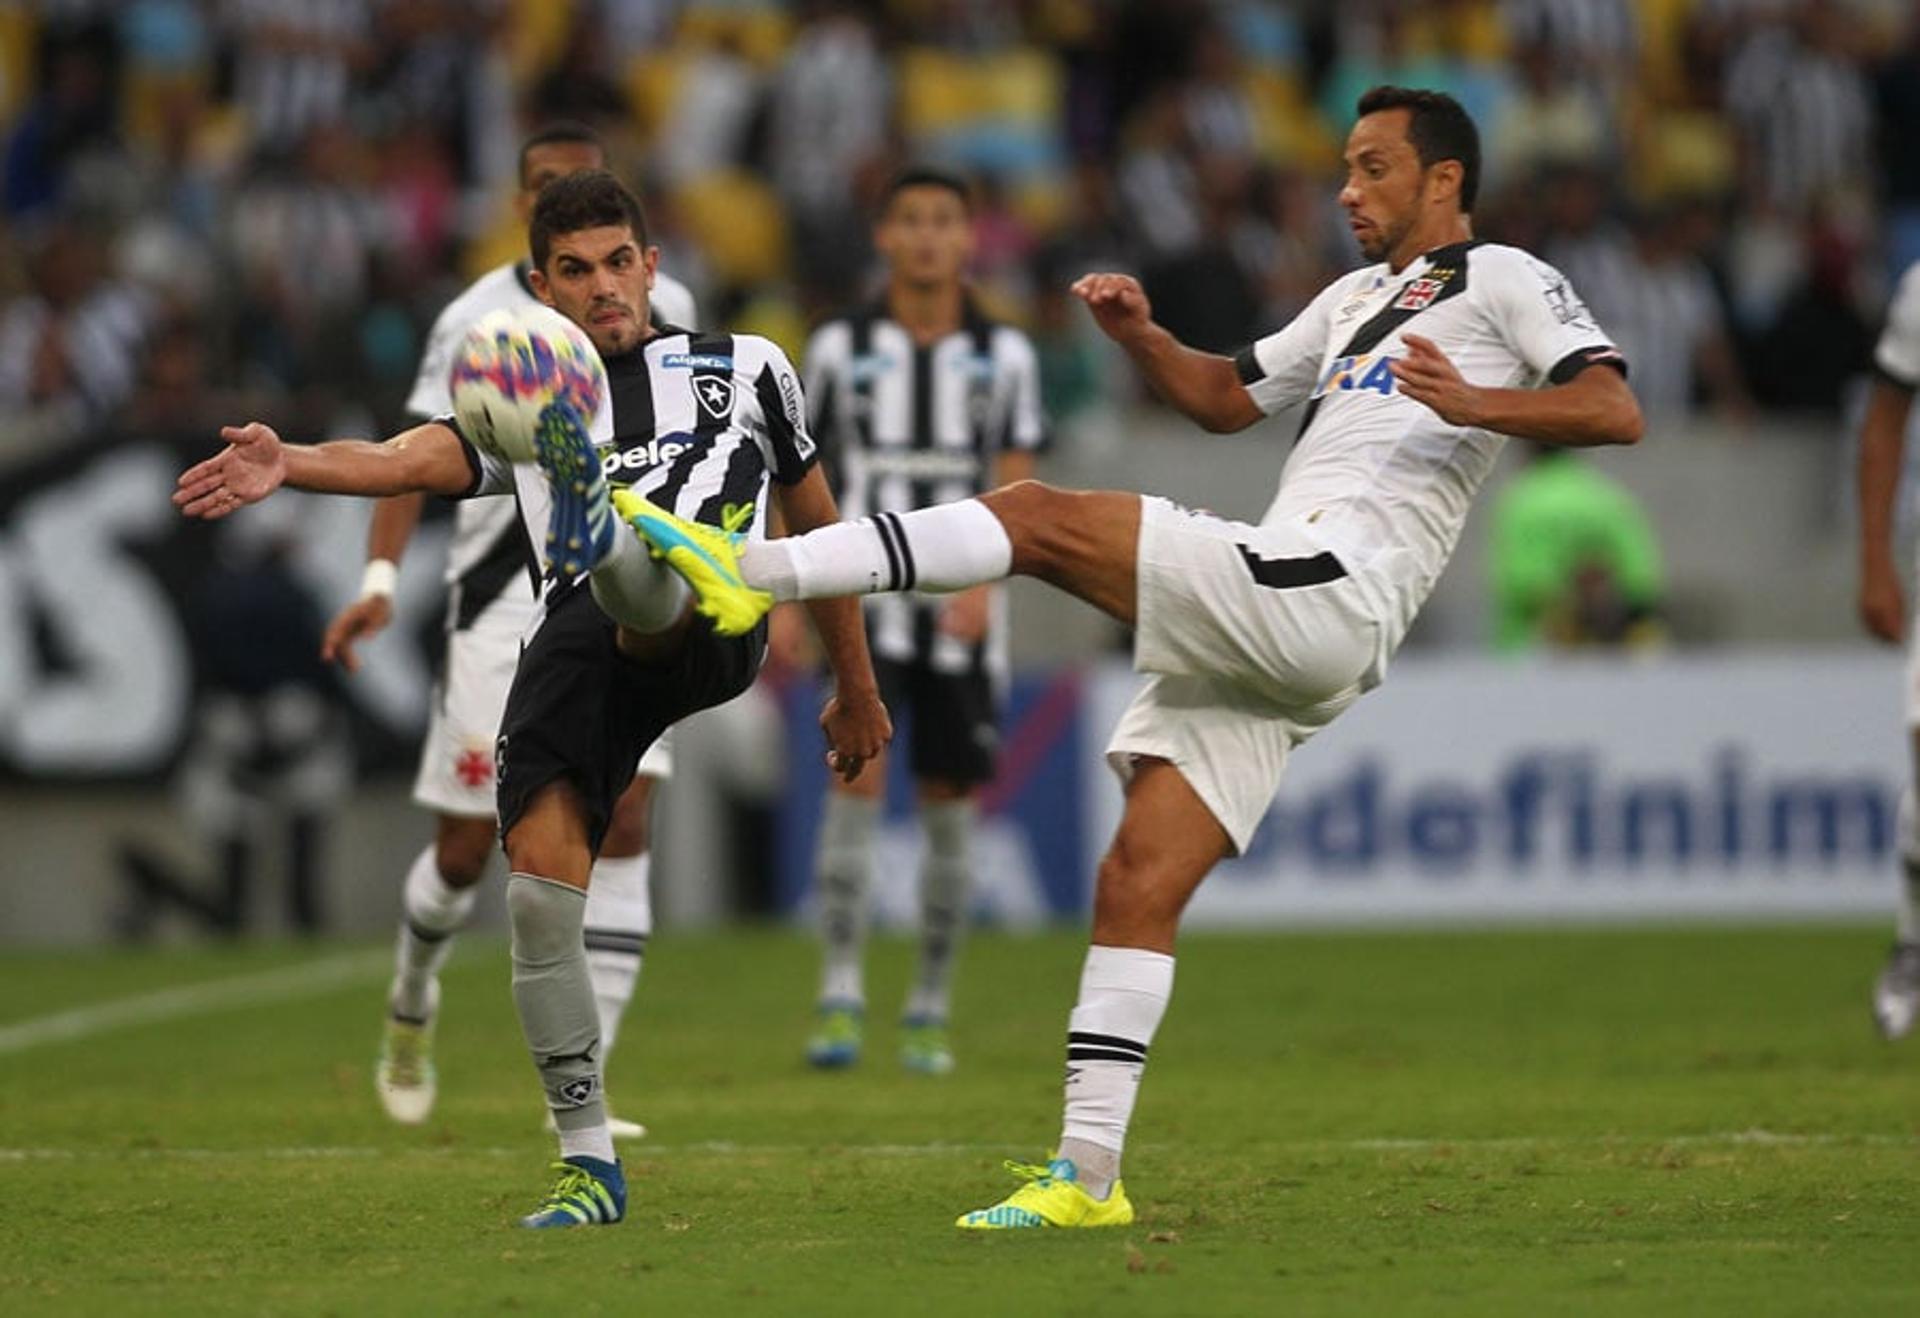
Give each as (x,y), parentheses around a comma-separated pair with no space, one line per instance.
(1263,606)
(548,837)
(630,831)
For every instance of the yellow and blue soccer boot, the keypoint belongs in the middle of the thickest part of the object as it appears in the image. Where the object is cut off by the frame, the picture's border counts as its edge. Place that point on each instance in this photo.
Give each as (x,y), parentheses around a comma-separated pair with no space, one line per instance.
(1050,1196)
(835,1044)
(708,557)
(580,526)
(586,1192)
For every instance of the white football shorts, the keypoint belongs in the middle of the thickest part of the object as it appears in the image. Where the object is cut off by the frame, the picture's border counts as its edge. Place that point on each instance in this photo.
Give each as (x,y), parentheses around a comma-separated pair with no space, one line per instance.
(1254,638)
(456,760)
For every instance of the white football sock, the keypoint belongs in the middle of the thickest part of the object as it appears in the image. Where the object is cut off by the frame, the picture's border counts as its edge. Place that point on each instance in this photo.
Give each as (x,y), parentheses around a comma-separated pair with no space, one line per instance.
(432,911)
(1907,913)
(619,921)
(949,546)
(843,871)
(636,590)
(1123,995)
(946,883)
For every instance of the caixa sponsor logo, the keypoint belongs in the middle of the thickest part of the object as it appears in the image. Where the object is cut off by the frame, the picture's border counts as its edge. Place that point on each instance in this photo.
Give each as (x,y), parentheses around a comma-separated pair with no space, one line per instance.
(1556,812)
(656,452)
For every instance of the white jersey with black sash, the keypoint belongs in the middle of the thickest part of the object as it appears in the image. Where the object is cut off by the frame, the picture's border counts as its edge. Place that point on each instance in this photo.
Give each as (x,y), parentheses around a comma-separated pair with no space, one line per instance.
(1375,477)
(905,425)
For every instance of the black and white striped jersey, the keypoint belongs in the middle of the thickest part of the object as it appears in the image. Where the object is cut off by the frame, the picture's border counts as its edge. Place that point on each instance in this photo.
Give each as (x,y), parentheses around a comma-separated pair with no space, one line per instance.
(699,423)
(904,426)
(488,561)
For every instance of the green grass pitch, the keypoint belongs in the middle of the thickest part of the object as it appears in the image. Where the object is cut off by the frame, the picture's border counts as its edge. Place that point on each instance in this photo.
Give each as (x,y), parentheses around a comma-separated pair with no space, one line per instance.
(1616,1122)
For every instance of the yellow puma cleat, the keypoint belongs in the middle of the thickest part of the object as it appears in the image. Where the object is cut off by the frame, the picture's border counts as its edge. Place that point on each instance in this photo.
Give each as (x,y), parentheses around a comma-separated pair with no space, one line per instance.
(1051,1197)
(707,557)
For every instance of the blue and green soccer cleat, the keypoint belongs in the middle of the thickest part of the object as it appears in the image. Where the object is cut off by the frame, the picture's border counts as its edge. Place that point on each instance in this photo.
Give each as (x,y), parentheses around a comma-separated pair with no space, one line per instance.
(835,1045)
(924,1048)
(707,557)
(580,527)
(586,1192)
(1050,1196)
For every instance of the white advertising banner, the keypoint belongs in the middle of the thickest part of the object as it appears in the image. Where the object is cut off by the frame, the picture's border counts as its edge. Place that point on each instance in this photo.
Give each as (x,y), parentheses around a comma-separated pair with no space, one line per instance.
(1726,786)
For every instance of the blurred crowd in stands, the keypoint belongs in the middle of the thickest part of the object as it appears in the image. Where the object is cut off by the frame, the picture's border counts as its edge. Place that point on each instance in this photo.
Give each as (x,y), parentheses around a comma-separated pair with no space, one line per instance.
(276,196)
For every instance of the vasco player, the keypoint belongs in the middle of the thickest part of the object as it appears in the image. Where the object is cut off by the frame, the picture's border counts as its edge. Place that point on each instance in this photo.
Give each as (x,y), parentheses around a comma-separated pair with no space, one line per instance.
(1413,371)
(701,423)
(492,577)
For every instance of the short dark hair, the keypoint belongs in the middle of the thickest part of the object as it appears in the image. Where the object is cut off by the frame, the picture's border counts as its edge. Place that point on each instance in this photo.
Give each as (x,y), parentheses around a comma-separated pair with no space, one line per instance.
(590,199)
(560,130)
(1439,130)
(926,176)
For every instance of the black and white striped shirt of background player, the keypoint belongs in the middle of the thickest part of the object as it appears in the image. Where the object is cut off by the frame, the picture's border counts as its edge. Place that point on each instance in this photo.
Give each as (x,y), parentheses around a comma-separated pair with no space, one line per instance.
(698,423)
(905,426)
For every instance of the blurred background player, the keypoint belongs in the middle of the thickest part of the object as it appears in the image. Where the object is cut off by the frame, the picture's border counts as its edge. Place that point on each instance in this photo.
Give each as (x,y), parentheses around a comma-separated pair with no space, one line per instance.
(491,575)
(918,398)
(1896,369)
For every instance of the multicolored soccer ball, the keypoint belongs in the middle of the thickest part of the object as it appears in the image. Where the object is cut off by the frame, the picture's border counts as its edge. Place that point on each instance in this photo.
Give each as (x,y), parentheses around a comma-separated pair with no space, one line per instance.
(511,367)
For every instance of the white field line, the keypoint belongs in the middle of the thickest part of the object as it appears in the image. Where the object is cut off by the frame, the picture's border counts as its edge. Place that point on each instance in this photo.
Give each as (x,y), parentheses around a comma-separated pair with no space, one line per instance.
(309,979)
(940,1149)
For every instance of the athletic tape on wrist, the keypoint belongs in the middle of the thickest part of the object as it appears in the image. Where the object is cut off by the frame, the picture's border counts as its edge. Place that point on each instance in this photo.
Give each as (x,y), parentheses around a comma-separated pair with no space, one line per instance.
(379,578)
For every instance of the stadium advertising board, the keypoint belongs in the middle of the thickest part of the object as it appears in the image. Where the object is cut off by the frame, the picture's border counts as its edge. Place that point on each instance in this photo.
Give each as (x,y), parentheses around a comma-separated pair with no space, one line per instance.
(1728,786)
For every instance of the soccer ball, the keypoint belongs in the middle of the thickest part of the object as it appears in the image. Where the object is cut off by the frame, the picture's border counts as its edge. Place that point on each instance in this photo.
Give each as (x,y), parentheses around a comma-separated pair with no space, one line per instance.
(511,366)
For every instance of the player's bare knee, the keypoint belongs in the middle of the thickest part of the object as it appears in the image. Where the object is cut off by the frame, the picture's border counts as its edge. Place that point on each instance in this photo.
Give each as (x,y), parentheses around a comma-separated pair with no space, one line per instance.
(1131,888)
(1038,519)
(630,831)
(461,850)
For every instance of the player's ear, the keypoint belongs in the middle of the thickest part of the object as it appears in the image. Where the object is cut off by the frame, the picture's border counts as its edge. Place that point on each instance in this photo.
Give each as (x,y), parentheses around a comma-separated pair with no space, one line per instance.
(650,257)
(537,278)
(1444,179)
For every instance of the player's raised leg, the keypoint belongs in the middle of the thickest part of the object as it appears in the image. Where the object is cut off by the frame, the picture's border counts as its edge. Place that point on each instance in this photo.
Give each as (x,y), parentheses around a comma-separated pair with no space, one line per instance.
(1167,842)
(437,900)
(1083,542)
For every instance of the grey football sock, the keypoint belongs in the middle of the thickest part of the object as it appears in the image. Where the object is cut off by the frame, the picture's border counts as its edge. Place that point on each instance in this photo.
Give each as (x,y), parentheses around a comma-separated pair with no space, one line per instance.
(843,868)
(946,883)
(634,590)
(554,994)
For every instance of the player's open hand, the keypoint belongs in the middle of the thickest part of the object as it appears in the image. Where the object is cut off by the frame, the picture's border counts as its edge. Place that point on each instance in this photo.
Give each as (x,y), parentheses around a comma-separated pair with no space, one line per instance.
(247,470)
(857,729)
(1118,303)
(361,620)
(1427,376)
(1881,608)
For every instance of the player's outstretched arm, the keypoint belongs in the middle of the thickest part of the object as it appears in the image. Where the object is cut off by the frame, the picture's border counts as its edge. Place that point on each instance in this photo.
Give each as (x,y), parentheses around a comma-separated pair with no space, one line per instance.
(1594,407)
(1203,385)
(427,459)
(854,720)
(1882,439)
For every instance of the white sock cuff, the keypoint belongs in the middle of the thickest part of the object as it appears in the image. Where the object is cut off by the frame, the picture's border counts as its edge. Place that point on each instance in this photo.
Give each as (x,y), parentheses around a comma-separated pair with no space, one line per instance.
(618,895)
(1123,994)
(952,546)
(432,905)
